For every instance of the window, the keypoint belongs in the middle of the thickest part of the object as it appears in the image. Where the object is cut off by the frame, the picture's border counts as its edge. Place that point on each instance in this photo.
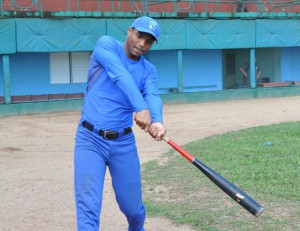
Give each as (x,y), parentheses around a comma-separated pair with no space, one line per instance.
(69,67)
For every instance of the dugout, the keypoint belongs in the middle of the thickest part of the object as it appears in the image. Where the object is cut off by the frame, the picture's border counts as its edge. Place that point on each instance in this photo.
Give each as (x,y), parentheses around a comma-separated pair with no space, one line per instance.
(44,61)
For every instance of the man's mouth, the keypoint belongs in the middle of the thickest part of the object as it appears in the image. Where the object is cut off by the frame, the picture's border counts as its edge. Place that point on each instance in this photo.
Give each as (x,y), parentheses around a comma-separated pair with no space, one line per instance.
(140,52)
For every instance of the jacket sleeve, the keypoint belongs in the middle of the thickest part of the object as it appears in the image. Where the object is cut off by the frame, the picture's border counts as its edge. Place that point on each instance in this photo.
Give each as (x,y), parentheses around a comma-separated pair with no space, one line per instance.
(150,94)
(106,53)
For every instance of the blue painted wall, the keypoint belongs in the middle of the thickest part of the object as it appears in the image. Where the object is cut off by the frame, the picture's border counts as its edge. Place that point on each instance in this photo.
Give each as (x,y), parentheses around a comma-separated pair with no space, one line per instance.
(30,75)
(167,68)
(202,70)
(201,42)
(1,77)
(290,64)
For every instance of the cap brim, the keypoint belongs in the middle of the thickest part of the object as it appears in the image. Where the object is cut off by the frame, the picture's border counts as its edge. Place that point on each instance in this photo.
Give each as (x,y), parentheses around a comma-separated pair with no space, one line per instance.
(142,29)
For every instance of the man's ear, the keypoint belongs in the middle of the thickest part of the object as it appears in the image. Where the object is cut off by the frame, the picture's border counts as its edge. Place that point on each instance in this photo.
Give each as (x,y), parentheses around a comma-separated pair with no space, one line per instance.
(129,31)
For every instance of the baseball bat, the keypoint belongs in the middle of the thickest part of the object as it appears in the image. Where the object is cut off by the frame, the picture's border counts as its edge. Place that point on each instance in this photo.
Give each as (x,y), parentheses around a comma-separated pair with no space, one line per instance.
(230,189)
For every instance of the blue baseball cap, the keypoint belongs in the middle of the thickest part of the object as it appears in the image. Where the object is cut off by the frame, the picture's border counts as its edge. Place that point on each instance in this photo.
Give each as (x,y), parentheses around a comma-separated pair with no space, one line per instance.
(147,25)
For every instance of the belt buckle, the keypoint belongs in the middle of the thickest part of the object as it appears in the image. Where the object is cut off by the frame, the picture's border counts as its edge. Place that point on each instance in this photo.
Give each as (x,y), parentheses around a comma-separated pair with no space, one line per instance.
(110,135)
(105,134)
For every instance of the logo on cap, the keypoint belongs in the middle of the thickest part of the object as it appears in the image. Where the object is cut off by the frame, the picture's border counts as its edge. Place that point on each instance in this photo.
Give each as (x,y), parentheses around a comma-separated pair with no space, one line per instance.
(152,25)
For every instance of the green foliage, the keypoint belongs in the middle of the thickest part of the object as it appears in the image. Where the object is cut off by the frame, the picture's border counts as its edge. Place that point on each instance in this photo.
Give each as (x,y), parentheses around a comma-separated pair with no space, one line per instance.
(263,161)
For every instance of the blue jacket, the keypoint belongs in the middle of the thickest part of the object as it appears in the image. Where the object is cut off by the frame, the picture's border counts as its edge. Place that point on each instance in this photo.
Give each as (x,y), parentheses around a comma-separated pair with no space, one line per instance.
(118,86)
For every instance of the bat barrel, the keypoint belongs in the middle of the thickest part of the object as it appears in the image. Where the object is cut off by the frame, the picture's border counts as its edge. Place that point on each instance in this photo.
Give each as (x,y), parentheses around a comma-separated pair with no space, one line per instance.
(251,205)
(230,189)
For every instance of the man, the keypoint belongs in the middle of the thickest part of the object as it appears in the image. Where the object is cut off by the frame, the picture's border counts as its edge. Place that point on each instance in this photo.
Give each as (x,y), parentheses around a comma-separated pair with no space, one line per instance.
(121,83)
(245,69)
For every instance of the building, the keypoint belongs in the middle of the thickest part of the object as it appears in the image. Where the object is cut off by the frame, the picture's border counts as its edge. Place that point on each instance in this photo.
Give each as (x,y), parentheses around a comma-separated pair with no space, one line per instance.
(45,47)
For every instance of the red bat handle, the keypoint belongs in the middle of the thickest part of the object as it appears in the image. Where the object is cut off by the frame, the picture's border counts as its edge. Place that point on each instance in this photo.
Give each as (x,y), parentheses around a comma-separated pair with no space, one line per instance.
(187,155)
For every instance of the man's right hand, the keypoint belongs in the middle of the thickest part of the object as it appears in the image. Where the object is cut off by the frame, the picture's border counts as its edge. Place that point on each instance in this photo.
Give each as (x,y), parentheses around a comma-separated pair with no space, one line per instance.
(143,120)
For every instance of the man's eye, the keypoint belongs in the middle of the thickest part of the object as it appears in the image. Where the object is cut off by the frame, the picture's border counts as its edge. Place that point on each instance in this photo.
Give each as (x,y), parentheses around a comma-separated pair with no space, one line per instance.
(139,35)
(150,40)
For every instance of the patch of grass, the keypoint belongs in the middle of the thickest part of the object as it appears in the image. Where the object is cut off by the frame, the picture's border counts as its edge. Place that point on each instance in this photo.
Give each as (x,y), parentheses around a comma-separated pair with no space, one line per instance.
(262,161)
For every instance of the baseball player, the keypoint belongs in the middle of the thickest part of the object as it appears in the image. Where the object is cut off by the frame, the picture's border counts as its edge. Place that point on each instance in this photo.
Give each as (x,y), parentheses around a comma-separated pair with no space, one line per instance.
(121,88)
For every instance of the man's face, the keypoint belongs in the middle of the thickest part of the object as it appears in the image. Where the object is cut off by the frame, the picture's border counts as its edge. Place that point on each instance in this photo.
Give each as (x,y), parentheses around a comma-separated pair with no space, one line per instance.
(137,43)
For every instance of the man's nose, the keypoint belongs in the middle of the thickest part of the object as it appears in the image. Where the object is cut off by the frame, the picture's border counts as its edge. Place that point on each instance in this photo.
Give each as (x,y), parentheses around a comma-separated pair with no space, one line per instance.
(142,42)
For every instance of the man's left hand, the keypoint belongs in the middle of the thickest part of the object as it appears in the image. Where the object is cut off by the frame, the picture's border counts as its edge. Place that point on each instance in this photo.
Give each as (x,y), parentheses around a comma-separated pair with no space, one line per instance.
(157,131)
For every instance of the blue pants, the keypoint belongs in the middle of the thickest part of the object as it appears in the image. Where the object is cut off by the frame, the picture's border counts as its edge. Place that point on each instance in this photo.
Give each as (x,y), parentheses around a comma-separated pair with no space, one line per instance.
(91,156)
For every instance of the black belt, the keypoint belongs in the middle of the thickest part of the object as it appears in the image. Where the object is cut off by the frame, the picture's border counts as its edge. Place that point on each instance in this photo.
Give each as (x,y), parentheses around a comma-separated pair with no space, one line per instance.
(106,134)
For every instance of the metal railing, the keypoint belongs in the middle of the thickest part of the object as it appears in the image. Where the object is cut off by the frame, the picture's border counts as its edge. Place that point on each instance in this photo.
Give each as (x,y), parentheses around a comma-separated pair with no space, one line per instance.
(126,8)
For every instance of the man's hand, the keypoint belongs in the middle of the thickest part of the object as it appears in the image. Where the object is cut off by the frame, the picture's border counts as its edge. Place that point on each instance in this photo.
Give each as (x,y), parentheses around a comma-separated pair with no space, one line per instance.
(157,131)
(143,120)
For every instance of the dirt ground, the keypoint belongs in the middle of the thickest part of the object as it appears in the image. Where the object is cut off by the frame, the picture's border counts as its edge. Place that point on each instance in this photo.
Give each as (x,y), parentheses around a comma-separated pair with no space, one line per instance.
(36,159)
